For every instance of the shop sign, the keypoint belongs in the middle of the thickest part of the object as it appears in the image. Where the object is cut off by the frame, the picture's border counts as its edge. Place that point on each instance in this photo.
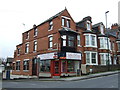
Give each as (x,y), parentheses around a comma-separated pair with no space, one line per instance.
(76,56)
(47,56)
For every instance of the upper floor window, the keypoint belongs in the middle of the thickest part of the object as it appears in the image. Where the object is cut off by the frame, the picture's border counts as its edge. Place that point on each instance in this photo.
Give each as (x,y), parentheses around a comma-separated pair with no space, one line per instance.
(71,41)
(88,25)
(50,45)
(35,46)
(64,40)
(102,29)
(18,51)
(63,21)
(90,40)
(68,41)
(50,25)
(35,32)
(27,35)
(104,43)
(68,23)
(78,40)
(26,47)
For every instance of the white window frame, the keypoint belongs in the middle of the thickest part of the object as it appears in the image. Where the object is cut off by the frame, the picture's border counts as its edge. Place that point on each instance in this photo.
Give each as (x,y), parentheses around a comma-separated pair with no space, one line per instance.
(27,35)
(64,37)
(35,46)
(27,47)
(78,40)
(91,58)
(19,64)
(35,32)
(88,25)
(102,29)
(23,64)
(118,45)
(50,25)
(104,42)
(50,41)
(105,55)
(88,42)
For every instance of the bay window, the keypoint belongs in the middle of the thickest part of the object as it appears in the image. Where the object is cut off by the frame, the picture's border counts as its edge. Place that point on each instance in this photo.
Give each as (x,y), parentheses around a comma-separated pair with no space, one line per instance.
(90,40)
(104,59)
(71,41)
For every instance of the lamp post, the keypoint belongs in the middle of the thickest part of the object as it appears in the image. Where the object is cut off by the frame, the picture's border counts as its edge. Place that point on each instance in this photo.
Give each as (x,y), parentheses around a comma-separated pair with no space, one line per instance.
(107,39)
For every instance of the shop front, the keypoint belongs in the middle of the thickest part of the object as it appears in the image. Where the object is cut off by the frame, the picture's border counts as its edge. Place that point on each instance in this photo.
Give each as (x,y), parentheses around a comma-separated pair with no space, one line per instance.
(59,64)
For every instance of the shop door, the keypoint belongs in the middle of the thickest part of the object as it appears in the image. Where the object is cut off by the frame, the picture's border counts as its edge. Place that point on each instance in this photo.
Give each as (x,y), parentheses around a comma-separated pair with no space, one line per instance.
(56,67)
(34,67)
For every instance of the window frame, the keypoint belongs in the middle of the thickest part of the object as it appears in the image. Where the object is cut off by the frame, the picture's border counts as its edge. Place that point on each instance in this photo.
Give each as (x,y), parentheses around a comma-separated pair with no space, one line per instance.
(35,32)
(78,40)
(26,67)
(35,46)
(17,65)
(27,48)
(50,41)
(50,26)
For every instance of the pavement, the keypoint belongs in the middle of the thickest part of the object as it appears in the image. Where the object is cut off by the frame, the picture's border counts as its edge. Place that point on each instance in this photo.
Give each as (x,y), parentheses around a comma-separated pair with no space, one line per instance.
(75,78)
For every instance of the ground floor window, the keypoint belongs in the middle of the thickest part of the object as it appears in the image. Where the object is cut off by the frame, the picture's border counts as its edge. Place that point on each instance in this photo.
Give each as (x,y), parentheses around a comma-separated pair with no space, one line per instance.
(45,66)
(17,65)
(91,58)
(104,59)
(68,66)
(26,65)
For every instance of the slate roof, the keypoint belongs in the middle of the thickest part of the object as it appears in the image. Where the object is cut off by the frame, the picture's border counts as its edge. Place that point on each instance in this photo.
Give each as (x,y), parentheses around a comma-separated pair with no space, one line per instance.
(96,25)
(67,30)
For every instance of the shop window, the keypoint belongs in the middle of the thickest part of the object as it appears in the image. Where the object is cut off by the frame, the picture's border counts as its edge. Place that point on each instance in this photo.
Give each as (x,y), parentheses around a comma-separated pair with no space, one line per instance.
(70,67)
(17,65)
(45,66)
(26,65)
(64,63)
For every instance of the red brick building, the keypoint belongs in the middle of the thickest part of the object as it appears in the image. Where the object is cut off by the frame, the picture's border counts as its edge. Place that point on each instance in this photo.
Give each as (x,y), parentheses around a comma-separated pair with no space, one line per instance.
(60,47)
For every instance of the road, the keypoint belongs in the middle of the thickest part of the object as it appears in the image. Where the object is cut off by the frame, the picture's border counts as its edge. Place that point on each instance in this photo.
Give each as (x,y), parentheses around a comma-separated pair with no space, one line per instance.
(110,81)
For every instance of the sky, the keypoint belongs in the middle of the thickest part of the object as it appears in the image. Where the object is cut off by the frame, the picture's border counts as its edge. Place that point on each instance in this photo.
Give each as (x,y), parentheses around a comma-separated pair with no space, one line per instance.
(18,16)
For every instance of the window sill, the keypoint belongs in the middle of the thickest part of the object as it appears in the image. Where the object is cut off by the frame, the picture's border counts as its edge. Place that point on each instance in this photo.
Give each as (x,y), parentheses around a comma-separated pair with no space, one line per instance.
(79,45)
(91,64)
(118,51)
(35,36)
(50,29)
(26,70)
(91,46)
(34,51)
(18,70)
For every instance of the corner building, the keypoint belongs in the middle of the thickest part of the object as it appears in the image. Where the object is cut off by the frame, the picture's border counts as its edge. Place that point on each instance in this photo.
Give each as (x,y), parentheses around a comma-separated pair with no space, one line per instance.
(61,47)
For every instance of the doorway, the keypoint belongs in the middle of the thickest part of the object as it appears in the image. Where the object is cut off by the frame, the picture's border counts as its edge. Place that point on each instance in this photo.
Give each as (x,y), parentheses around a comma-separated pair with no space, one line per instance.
(56,67)
(34,66)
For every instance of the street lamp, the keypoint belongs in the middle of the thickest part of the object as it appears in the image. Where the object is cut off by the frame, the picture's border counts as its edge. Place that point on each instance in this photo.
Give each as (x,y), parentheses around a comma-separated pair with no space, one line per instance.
(107,38)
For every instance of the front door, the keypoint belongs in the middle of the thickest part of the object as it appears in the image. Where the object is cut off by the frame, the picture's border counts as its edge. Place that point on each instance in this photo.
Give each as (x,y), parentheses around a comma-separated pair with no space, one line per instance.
(34,66)
(56,67)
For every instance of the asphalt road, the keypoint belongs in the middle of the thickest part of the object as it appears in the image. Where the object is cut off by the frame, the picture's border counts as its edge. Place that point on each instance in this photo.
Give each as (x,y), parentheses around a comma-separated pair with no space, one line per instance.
(110,81)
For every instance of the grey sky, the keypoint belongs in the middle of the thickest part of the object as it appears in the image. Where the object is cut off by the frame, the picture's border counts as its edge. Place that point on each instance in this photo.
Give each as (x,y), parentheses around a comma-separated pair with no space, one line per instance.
(13,13)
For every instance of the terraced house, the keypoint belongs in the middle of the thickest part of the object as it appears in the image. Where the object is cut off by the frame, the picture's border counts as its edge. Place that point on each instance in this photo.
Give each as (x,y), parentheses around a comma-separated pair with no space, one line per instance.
(61,47)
